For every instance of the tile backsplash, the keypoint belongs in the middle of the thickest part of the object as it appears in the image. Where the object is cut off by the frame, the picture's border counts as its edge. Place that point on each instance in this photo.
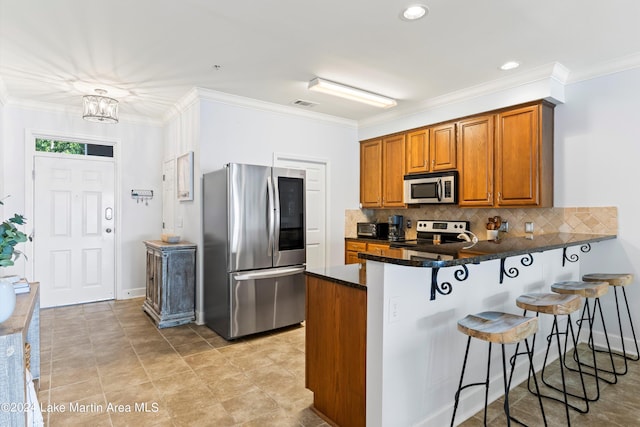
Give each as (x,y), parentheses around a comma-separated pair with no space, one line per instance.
(598,220)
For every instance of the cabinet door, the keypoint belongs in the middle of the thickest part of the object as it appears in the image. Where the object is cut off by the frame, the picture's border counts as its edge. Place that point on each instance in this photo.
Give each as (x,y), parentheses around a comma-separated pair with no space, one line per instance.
(517,157)
(475,161)
(443,147)
(418,151)
(393,158)
(154,285)
(377,247)
(351,257)
(371,174)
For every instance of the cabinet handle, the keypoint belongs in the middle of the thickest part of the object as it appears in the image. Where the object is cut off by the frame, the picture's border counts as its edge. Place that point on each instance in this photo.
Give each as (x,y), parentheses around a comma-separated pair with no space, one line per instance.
(489,196)
(499,195)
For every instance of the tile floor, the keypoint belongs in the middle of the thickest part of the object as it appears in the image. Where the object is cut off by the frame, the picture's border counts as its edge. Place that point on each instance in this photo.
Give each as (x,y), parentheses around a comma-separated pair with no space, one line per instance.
(618,406)
(107,364)
(108,357)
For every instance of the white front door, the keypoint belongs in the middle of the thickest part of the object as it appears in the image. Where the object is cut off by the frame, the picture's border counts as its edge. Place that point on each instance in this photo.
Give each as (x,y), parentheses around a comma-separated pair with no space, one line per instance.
(74,250)
(316,209)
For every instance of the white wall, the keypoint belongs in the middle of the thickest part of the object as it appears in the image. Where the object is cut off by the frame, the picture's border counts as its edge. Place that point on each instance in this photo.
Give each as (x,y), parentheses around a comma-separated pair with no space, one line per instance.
(140,159)
(230,132)
(597,153)
(249,135)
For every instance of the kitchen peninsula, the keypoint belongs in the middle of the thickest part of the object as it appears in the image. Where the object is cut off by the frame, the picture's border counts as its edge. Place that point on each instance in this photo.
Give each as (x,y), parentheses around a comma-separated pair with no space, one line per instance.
(394,321)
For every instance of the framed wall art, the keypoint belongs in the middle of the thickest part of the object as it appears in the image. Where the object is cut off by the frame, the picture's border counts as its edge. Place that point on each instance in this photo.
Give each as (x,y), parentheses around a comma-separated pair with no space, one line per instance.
(184,170)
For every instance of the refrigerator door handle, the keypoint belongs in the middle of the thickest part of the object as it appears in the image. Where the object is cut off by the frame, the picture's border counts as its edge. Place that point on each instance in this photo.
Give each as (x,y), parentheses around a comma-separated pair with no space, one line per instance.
(270,273)
(270,215)
(276,221)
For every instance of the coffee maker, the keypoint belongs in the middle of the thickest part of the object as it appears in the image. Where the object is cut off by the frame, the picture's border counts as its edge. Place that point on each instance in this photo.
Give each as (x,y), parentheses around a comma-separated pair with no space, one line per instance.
(396,227)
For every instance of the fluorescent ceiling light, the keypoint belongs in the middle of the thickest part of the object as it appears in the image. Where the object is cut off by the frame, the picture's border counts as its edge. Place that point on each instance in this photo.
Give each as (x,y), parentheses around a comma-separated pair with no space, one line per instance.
(352,93)
(510,65)
(414,12)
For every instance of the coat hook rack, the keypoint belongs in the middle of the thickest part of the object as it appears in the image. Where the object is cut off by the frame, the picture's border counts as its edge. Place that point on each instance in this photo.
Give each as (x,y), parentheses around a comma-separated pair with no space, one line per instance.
(142,196)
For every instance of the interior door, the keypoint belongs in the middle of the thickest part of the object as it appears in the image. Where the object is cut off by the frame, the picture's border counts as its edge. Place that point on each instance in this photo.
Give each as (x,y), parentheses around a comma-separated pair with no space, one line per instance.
(74,248)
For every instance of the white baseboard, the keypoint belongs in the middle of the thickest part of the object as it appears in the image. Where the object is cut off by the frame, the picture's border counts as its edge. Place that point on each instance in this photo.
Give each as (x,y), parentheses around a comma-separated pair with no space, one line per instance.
(132,293)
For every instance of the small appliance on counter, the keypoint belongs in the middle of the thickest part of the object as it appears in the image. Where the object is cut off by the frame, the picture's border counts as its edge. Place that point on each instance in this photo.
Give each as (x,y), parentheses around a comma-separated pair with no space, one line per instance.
(396,227)
(373,230)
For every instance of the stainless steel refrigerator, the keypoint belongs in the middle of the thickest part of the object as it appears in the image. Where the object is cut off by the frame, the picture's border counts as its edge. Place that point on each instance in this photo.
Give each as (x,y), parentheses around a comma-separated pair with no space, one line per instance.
(254,249)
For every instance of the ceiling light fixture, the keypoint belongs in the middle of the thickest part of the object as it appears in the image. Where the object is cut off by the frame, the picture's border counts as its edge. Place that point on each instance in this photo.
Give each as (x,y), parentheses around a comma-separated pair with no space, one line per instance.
(99,108)
(352,93)
(509,65)
(414,12)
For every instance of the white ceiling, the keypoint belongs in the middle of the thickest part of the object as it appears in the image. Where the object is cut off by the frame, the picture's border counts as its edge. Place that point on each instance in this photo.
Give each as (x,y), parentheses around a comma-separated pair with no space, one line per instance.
(150,53)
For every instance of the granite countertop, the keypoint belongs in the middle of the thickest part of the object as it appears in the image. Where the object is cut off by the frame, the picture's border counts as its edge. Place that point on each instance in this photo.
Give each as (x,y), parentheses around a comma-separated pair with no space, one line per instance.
(354,275)
(369,240)
(451,254)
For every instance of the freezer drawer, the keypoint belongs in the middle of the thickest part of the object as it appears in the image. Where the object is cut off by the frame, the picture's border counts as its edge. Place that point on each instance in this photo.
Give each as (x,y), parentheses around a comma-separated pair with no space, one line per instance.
(262,300)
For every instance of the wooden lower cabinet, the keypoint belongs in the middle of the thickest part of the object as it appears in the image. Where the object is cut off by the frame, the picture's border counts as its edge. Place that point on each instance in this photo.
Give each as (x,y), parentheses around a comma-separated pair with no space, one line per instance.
(353,247)
(336,351)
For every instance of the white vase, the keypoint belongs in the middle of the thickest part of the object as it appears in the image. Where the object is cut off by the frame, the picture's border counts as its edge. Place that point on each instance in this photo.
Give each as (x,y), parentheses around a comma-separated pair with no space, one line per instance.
(492,234)
(7,300)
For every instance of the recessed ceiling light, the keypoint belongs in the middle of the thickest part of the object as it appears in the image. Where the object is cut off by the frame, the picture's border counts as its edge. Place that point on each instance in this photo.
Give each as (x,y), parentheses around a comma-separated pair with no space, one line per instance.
(414,12)
(509,65)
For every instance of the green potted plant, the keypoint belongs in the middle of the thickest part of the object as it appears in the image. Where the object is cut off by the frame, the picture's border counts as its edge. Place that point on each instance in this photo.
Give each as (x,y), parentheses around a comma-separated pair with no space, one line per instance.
(10,236)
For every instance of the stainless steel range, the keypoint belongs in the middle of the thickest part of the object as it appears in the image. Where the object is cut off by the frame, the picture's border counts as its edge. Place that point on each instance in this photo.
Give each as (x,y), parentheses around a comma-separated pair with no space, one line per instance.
(432,233)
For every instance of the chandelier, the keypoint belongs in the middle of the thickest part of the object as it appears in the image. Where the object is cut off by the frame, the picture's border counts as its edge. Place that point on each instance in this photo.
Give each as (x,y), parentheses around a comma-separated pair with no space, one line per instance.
(99,108)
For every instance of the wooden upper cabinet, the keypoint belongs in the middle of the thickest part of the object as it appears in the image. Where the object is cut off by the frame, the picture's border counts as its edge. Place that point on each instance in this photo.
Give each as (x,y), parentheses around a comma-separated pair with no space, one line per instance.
(443,147)
(417,149)
(475,161)
(393,167)
(382,166)
(524,157)
(511,165)
(371,174)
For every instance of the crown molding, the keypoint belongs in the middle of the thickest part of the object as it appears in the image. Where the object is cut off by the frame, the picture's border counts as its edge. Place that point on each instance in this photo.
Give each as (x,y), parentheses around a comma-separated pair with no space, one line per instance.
(241,101)
(605,68)
(554,71)
(3,93)
(77,111)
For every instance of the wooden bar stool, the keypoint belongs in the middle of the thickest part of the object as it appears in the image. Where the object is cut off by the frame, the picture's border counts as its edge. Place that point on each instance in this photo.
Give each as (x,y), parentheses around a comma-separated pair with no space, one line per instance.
(499,328)
(618,281)
(556,305)
(589,290)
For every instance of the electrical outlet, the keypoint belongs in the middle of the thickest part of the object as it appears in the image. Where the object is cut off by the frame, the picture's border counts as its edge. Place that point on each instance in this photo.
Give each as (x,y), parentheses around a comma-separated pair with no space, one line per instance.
(394,309)
(528,227)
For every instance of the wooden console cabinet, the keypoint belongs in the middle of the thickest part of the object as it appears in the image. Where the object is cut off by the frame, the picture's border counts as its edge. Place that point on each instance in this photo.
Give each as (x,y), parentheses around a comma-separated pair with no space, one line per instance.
(170,296)
(23,327)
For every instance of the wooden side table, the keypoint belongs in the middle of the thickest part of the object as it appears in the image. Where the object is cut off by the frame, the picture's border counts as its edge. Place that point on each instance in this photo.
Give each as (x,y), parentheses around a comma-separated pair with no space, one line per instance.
(170,287)
(23,327)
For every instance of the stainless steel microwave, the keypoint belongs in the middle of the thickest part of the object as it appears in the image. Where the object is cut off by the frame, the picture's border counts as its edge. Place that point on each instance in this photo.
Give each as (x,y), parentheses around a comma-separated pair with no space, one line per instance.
(431,188)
